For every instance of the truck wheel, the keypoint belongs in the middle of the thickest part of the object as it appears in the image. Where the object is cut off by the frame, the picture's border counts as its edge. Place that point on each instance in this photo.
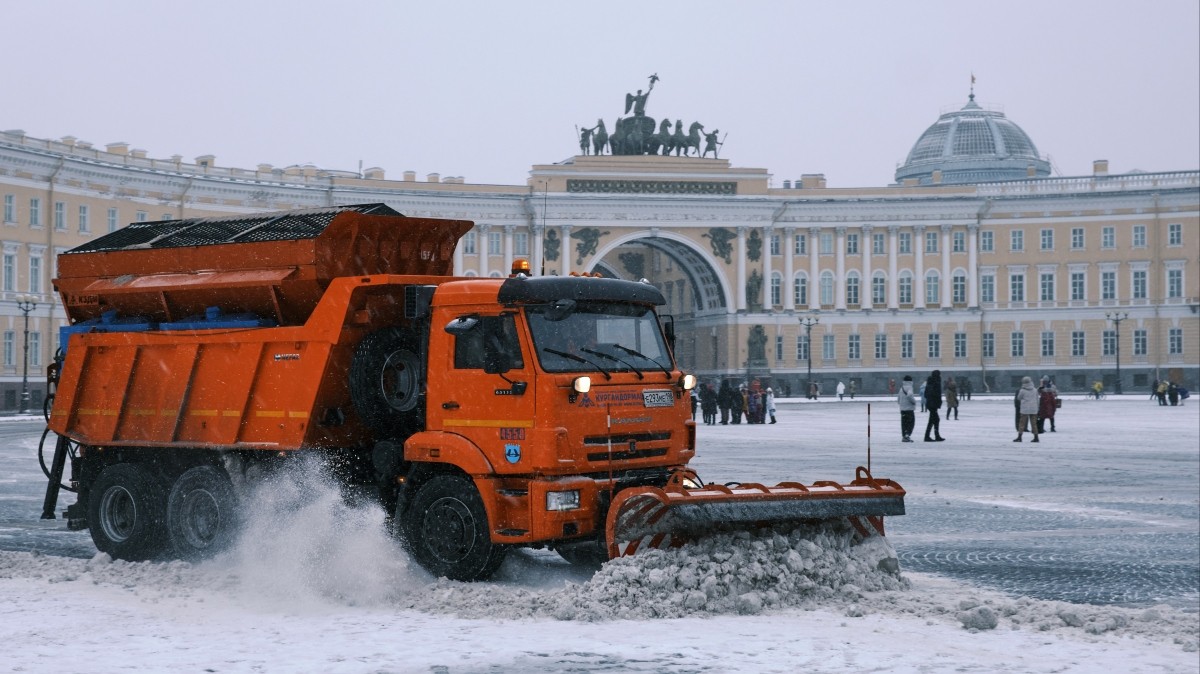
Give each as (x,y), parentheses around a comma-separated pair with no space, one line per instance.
(126,512)
(584,554)
(446,529)
(386,381)
(201,513)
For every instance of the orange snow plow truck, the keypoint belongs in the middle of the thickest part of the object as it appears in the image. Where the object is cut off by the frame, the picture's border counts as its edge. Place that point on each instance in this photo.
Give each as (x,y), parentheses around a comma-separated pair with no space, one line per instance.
(485,413)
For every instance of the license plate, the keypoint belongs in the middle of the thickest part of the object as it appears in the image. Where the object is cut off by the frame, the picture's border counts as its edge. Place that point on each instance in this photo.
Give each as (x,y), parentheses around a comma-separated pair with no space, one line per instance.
(658,398)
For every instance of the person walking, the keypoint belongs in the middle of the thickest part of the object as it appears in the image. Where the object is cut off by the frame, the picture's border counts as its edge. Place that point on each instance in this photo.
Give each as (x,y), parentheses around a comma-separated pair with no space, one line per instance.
(1162,393)
(853,388)
(908,404)
(1027,405)
(725,401)
(966,388)
(951,398)
(1047,396)
(1173,394)
(933,403)
(841,390)
(771,403)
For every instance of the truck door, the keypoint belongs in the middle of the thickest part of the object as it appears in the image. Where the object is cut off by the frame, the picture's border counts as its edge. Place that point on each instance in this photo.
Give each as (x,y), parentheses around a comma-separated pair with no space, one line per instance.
(484,390)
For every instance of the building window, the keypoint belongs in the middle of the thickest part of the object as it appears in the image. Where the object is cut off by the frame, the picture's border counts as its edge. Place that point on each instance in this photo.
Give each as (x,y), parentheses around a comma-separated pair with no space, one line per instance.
(1139,236)
(935,345)
(958,288)
(826,287)
(140,216)
(802,347)
(1174,283)
(1047,344)
(1017,240)
(1018,344)
(1047,287)
(1078,286)
(60,216)
(932,288)
(495,243)
(906,346)
(35,349)
(1016,288)
(1108,285)
(35,212)
(1076,238)
(905,243)
(826,242)
(880,346)
(521,243)
(1047,239)
(10,208)
(10,350)
(774,245)
(800,291)
(987,344)
(468,242)
(801,245)
(1139,284)
(987,288)
(852,244)
(1175,341)
(879,290)
(987,242)
(931,242)
(854,347)
(1109,342)
(776,289)
(906,288)
(1078,343)
(852,288)
(960,242)
(1108,238)
(828,347)
(1174,231)
(10,272)
(778,348)
(112,219)
(35,274)
(878,244)
(1140,342)
(960,345)
(84,226)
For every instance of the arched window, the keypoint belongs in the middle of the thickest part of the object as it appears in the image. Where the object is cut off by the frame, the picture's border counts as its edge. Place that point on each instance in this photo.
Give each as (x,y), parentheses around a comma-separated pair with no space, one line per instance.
(776,289)
(800,290)
(879,288)
(906,287)
(826,288)
(932,288)
(852,289)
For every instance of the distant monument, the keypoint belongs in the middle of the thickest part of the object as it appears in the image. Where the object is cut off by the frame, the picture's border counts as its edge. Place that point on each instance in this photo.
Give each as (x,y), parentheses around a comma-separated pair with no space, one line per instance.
(639,134)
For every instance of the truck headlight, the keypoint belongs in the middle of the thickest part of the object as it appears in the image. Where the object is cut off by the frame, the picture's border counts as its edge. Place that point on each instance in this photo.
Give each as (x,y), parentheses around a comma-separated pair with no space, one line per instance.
(562,500)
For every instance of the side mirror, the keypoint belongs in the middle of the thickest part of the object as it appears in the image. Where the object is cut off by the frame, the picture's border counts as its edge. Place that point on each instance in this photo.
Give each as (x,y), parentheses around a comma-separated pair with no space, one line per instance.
(462,325)
(669,331)
(560,310)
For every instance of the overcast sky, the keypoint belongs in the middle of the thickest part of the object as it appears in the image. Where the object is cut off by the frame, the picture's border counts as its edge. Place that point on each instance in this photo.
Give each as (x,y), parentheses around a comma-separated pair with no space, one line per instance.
(486,89)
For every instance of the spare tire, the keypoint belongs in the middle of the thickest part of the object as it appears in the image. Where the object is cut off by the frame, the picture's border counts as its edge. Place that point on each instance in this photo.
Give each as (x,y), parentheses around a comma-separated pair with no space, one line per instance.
(387,383)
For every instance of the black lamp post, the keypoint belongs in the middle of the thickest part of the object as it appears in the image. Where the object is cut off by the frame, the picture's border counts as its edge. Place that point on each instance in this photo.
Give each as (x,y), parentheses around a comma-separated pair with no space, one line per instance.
(26,304)
(1116,317)
(808,322)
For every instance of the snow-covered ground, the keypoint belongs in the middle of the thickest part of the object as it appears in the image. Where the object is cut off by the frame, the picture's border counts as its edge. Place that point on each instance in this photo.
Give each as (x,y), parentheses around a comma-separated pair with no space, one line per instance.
(1077,554)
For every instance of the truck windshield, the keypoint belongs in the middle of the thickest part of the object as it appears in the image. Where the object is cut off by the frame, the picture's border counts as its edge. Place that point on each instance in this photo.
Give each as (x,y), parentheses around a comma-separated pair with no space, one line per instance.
(603,336)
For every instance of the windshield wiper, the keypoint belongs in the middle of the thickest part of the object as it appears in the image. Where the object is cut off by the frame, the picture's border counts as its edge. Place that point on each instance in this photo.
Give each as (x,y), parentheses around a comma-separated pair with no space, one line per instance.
(639,354)
(578,359)
(616,359)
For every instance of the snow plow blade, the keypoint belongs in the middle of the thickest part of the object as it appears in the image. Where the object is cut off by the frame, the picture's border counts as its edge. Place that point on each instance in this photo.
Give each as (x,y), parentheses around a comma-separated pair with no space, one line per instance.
(670,516)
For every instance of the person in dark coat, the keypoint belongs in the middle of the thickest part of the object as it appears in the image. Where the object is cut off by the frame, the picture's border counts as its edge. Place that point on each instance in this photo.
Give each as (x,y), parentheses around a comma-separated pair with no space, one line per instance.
(1173,393)
(951,399)
(725,401)
(933,403)
(1047,395)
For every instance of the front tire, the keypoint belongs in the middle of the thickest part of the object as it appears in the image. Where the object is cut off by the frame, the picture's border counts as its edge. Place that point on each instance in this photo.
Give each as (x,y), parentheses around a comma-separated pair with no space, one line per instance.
(446,528)
(201,513)
(126,513)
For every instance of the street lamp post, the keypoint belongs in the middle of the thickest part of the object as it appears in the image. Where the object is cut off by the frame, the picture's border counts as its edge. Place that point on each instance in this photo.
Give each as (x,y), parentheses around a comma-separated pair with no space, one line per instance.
(26,304)
(808,322)
(1116,317)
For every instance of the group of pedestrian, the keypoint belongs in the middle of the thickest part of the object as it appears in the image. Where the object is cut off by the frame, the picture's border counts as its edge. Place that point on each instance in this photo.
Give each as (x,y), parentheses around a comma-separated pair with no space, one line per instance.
(931,400)
(1168,393)
(753,403)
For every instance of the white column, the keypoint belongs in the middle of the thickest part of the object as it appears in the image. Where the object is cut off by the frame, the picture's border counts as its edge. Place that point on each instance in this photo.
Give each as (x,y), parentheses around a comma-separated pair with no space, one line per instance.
(789,269)
(538,251)
(814,269)
(768,232)
(483,251)
(947,270)
(839,275)
(508,249)
(566,250)
(458,259)
(893,270)
(919,271)
(972,266)
(865,284)
(740,255)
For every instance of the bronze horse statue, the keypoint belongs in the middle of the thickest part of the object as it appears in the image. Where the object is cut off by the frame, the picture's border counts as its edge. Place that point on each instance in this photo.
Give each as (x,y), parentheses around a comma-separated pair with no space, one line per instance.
(599,138)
